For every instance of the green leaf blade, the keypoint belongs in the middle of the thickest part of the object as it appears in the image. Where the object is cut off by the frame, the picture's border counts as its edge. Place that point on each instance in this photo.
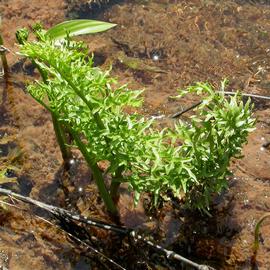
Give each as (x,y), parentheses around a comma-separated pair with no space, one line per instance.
(77,27)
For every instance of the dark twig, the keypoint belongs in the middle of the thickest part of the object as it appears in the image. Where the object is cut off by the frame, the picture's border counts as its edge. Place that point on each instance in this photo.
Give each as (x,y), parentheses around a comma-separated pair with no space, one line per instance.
(177,114)
(94,250)
(245,95)
(170,254)
(65,216)
(72,236)
(71,228)
(186,110)
(265,145)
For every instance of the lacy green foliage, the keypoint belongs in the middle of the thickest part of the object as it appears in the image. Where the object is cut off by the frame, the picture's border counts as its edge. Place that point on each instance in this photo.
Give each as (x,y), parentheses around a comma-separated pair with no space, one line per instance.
(198,166)
(83,99)
(215,135)
(191,158)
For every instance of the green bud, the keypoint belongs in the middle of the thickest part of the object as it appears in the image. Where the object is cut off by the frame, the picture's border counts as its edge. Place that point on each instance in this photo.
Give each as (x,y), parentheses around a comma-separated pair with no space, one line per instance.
(22,35)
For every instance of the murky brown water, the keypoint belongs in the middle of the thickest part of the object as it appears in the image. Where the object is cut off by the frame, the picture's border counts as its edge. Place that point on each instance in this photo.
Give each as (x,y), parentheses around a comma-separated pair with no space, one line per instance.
(190,40)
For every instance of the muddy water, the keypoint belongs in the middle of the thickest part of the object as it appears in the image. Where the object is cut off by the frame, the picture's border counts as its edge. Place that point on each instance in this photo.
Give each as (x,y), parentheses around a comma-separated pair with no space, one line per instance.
(190,40)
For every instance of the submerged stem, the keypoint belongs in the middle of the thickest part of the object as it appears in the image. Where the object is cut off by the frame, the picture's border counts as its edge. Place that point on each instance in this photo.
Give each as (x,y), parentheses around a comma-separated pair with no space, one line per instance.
(115,184)
(58,129)
(116,181)
(96,173)
(257,231)
(88,157)
(61,138)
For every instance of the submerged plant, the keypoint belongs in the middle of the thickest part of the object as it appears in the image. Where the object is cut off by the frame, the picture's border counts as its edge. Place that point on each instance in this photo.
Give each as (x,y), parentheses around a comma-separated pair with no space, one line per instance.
(191,160)
(9,164)
(257,234)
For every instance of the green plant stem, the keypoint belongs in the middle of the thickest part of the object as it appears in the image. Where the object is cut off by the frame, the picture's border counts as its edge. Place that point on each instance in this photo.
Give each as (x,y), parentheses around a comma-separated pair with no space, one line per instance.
(59,131)
(116,181)
(61,139)
(90,161)
(96,172)
(257,231)
(3,58)
(114,189)
(98,120)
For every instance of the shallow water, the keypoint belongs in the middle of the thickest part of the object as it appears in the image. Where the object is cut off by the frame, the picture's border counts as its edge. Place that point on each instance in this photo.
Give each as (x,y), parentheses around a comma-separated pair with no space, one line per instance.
(192,41)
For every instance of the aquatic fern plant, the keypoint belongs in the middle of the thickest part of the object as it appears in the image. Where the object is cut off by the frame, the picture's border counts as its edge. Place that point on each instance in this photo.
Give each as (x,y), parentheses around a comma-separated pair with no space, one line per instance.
(191,160)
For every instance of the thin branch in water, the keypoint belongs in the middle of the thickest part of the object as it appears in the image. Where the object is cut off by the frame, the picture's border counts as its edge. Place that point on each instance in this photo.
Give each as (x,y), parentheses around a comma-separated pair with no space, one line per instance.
(171,254)
(93,249)
(245,95)
(83,243)
(65,216)
(12,205)
(186,110)
(177,114)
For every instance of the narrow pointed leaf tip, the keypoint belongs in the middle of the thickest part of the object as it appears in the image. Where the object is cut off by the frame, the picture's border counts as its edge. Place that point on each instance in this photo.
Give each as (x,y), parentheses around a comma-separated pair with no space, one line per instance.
(77,27)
